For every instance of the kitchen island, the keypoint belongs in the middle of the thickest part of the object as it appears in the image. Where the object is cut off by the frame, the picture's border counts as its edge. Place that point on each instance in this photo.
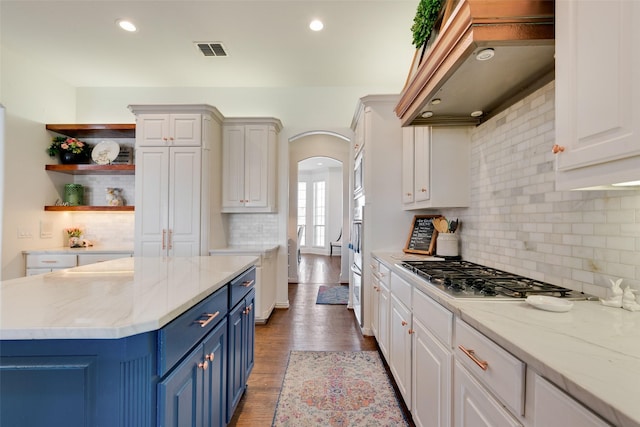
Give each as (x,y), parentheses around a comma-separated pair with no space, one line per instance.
(587,357)
(127,342)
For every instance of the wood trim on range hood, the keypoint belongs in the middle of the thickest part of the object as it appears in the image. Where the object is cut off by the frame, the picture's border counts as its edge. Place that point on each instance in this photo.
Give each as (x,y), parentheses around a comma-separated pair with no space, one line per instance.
(521,32)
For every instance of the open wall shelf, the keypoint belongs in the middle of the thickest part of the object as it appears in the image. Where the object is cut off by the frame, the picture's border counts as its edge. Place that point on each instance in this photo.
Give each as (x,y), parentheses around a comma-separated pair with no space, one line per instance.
(89,208)
(86,169)
(121,130)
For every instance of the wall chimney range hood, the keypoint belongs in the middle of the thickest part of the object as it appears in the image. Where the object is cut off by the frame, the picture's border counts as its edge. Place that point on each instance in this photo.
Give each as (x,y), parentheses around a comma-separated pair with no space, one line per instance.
(487,55)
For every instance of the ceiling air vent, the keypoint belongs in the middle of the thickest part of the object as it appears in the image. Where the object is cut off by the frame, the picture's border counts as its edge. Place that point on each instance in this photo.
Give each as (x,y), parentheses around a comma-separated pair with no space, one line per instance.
(211,48)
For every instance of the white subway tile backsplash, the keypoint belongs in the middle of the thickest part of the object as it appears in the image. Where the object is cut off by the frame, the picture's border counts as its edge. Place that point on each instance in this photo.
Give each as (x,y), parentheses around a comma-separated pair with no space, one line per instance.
(518,222)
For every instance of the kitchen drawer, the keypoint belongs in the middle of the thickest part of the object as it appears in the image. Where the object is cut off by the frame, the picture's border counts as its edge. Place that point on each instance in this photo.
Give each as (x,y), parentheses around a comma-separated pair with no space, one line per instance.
(384,274)
(179,336)
(51,261)
(84,259)
(241,285)
(401,289)
(504,374)
(437,319)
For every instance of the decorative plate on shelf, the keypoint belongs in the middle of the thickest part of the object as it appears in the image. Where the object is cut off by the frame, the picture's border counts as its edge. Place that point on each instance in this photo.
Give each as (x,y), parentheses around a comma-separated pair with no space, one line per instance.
(105,152)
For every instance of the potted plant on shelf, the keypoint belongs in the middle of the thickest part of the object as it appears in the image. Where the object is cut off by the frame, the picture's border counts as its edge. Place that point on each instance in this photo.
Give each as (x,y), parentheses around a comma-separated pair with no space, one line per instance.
(70,150)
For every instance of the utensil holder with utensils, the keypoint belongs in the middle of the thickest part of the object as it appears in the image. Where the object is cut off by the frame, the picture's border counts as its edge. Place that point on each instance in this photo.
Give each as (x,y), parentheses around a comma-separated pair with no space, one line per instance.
(447,245)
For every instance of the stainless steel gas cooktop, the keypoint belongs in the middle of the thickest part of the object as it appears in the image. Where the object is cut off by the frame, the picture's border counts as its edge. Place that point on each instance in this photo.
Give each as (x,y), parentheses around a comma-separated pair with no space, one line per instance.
(463,279)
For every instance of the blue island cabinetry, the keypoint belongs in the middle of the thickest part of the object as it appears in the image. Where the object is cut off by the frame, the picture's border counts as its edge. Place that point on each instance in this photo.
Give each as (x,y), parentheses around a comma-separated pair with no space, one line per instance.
(179,375)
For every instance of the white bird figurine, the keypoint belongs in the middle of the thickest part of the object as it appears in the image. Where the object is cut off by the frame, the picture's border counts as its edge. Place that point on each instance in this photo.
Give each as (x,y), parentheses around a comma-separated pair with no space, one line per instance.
(629,300)
(614,295)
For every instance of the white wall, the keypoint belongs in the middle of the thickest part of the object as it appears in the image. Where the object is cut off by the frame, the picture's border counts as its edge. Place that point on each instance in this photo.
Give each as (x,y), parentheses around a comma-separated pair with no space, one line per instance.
(31,98)
(518,222)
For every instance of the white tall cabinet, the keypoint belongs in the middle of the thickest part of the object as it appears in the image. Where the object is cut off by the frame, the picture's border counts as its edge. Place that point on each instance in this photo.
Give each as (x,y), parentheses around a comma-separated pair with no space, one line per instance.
(597,93)
(384,226)
(249,167)
(178,150)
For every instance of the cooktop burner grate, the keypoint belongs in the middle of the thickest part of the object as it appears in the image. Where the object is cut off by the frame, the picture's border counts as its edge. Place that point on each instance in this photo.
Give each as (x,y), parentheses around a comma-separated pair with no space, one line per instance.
(465,279)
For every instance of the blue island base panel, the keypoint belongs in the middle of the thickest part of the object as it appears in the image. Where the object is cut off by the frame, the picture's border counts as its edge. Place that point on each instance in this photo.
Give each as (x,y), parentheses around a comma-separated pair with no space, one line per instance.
(45,395)
(78,383)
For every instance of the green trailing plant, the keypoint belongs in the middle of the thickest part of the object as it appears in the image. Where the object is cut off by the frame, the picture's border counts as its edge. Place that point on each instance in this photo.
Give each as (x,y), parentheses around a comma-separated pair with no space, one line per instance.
(425,19)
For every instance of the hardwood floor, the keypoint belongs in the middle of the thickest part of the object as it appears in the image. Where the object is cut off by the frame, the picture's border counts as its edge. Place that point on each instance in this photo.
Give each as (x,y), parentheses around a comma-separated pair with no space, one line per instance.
(304,326)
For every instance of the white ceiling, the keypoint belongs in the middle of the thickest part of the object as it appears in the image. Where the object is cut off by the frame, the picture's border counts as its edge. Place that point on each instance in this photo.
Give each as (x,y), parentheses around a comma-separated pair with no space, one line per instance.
(365,43)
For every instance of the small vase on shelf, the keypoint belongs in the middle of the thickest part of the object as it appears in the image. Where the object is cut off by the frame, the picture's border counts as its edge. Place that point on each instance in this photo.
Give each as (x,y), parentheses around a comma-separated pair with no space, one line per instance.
(75,242)
(67,158)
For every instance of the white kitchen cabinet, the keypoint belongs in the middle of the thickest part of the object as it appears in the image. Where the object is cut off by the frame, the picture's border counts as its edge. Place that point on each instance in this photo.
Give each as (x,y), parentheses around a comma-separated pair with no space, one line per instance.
(175,208)
(554,408)
(375,299)
(597,95)
(384,312)
(432,361)
(400,347)
(38,262)
(435,167)
(473,404)
(249,167)
(168,201)
(495,368)
(169,130)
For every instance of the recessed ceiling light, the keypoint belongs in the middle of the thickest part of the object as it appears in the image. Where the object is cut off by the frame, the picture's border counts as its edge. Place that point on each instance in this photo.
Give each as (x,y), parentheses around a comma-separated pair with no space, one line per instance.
(126,25)
(436,101)
(477,113)
(426,114)
(316,25)
(485,54)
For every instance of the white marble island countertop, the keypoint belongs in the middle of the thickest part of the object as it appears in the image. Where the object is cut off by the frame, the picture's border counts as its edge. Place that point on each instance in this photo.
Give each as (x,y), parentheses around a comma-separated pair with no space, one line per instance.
(112,299)
(592,352)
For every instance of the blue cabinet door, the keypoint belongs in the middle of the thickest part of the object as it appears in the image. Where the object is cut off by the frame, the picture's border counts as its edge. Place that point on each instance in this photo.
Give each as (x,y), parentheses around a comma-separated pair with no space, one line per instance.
(249,335)
(235,366)
(180,393)
(215,377)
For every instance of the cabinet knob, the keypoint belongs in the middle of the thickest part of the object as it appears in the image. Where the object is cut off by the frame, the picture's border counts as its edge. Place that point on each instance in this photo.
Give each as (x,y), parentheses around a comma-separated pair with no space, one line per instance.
(404,323)
(164,139)
(210,357)
(557,149)
(409,194)
(411,331)
(423,190)
(203,365)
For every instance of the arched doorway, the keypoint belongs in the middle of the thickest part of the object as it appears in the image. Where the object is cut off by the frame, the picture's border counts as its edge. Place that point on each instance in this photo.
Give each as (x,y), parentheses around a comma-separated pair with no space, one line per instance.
(309,145)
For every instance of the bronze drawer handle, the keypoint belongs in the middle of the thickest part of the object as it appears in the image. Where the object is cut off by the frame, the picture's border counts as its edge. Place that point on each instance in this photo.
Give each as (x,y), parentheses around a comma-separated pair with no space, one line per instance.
(472,355)
(248,283)
(210,317)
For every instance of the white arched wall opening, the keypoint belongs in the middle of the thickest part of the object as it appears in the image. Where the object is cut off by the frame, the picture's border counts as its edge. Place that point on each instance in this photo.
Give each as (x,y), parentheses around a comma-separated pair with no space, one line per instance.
(319,144)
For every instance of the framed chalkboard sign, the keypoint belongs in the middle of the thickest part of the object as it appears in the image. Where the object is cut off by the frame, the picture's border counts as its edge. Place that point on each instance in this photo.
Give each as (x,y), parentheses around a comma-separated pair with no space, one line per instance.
(422,236)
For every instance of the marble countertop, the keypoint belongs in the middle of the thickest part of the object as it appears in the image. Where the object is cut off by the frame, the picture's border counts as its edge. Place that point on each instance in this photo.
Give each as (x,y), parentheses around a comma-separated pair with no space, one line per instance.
(111,299)
(265,250)
(591,351)
(75,251)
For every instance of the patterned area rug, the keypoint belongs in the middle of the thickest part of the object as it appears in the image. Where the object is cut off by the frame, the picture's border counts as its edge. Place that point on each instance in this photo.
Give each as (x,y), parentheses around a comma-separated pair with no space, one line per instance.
(338,294)
(337,389)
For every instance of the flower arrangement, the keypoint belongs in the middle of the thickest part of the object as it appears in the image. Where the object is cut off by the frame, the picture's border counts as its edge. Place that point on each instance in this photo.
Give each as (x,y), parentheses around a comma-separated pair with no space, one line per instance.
(73,232)
(62,143)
